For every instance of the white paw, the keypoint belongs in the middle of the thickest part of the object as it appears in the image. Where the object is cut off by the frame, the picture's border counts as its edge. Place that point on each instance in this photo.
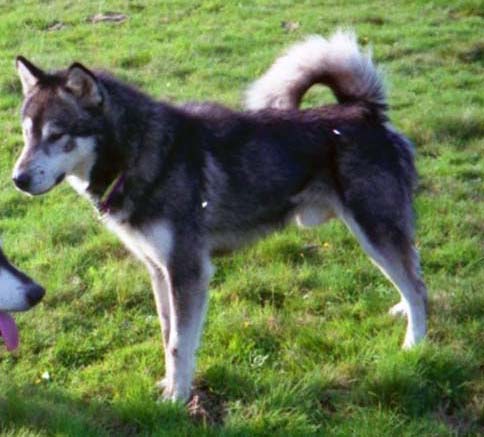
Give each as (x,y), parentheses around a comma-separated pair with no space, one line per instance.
(408,343)
(175,395)
(414,336)
(172,392)
(398,310)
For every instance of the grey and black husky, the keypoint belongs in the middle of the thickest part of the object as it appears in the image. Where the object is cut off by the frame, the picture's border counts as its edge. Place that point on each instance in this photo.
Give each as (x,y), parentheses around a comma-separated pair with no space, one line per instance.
(178,184)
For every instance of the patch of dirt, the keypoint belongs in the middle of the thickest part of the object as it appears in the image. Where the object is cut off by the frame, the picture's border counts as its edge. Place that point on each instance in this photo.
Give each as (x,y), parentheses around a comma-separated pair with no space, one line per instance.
(290,26)
(475,53)
(206,407)
(112,17)
(55,26)
(461,424)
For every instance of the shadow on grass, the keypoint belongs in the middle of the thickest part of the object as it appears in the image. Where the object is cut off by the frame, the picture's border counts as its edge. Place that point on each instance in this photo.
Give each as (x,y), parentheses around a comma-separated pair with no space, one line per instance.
(40,410)
(423,382)
(292,253)
(460,128)
(47,411)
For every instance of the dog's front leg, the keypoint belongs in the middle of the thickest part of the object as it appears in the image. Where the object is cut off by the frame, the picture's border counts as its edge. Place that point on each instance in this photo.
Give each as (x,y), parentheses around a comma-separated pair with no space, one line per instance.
(188,298)
(161,291)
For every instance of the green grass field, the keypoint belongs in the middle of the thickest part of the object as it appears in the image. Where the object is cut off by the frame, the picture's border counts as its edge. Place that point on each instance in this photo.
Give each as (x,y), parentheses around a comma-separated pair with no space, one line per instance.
(298,340)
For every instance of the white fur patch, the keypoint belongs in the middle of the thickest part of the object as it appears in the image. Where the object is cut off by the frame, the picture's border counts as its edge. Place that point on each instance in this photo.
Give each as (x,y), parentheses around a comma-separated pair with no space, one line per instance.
(80,175)
(50,129)
(27,125)
(310,61)
(153,241)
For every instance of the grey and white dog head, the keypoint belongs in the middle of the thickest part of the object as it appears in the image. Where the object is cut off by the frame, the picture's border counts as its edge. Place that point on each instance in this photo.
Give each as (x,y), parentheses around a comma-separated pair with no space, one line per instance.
(17,291)
(61,118)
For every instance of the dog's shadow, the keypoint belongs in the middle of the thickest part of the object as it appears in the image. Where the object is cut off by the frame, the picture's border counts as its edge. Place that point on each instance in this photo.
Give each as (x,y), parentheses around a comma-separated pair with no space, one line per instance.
(426,382)
(47,410)
(411,384)
(38,408)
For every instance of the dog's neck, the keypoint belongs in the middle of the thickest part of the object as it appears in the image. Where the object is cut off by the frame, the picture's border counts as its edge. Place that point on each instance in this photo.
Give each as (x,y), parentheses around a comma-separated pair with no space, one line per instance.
(136,129)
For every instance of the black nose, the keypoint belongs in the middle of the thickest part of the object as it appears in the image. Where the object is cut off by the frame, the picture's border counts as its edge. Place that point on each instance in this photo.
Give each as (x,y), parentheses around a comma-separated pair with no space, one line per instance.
(22,181)
(35,293)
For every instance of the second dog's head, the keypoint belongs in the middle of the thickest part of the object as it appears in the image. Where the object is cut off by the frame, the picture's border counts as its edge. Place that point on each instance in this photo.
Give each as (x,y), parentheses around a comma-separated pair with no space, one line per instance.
(17,293)
(61,118)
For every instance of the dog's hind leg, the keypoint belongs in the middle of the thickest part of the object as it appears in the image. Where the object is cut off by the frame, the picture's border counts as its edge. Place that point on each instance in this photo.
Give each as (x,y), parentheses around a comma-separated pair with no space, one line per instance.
(393,252)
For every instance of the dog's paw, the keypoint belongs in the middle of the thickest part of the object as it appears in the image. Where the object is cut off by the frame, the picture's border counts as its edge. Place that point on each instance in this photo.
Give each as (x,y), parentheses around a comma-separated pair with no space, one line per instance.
(411,341)
(175,395)
(171,392)
(408,344)
(398,310)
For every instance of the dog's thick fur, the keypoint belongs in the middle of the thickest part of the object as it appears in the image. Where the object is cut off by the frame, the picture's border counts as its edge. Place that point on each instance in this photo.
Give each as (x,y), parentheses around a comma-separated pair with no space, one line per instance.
(190,181)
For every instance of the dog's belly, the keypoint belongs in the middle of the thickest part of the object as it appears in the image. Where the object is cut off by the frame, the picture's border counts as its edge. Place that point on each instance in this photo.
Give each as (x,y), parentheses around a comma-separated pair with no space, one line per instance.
(226,241)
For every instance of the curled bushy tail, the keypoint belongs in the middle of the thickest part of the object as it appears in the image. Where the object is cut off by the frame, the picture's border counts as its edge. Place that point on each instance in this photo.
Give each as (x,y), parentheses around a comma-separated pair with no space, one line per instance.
(336,62)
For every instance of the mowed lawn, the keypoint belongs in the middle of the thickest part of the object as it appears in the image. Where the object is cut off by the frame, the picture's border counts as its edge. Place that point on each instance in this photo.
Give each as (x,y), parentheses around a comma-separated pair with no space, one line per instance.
(298,340)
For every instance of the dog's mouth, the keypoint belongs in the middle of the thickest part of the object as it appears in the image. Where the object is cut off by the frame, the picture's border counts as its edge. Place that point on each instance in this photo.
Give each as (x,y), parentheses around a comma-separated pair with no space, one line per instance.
(9,331)
(60,178)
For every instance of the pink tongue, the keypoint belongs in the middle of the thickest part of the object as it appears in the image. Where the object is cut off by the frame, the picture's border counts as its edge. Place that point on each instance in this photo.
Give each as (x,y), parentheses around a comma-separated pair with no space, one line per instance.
(9,331)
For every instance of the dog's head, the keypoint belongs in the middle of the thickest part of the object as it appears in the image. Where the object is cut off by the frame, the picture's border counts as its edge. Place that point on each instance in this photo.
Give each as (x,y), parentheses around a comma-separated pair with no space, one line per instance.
(17,293)
(61,118)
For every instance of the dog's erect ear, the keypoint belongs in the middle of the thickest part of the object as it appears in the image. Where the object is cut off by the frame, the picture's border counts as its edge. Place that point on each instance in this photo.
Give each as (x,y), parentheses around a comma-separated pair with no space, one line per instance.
(83,84)
(29,74)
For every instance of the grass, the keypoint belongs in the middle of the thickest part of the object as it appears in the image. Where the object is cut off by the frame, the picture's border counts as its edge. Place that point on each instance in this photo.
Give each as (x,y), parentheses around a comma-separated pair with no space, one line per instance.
(297,340)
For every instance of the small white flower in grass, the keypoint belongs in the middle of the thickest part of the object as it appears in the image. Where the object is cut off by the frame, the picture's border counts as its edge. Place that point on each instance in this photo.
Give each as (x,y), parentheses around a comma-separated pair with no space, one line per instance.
(259,360)
(46,376)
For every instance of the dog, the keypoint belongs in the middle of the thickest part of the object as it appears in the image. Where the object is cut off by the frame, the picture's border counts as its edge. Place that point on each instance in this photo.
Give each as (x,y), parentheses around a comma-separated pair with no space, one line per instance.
(17,293)
(181,183)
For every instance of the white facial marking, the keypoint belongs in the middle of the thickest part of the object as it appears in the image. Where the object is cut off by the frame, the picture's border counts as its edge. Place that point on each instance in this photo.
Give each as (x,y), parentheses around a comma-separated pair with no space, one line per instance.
(27,124)
(50,129)
(79,176)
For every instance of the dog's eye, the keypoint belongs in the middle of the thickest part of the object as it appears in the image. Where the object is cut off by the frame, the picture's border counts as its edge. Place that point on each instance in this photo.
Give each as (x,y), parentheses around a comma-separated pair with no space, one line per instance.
(53,137)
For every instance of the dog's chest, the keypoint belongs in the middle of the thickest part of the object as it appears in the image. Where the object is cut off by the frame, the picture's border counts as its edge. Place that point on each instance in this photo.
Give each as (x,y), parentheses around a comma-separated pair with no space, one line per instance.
(153,241)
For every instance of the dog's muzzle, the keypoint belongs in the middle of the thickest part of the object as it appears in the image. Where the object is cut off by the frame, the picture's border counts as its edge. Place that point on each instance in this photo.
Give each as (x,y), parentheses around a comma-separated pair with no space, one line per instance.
(35,293)
(22,181)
